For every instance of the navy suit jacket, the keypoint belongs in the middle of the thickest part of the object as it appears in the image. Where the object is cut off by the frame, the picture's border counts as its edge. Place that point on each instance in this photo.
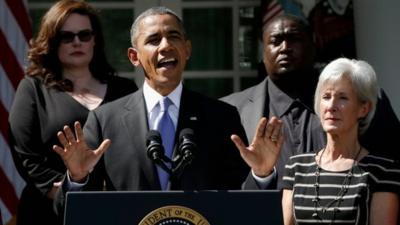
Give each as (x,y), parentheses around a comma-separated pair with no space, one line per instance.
(125,166)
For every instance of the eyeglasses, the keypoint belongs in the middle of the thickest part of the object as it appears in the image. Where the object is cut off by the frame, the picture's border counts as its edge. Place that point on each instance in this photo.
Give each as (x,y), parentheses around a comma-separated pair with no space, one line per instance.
(68,36)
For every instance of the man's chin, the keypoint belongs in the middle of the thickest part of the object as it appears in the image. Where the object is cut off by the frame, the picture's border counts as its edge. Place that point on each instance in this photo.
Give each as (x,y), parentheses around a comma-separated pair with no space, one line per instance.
(285,70)
(283,73)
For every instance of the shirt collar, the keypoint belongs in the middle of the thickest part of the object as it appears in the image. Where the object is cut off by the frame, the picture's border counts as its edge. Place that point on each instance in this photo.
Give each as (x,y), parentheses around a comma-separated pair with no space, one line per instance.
(152,97)
(281,101)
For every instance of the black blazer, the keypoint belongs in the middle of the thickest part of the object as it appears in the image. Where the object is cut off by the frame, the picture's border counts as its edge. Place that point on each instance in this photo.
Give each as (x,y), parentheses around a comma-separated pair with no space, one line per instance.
(125,165)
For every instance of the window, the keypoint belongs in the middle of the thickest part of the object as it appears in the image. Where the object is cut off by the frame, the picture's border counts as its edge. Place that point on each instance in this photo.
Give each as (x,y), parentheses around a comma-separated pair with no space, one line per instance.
(226,48)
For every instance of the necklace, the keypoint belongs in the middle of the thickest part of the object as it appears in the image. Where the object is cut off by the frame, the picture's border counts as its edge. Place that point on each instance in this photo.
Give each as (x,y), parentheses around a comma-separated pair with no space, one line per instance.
(339,196)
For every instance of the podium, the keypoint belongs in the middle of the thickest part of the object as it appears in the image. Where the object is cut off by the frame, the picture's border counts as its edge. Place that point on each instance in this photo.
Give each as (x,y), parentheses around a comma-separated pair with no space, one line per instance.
(174,207)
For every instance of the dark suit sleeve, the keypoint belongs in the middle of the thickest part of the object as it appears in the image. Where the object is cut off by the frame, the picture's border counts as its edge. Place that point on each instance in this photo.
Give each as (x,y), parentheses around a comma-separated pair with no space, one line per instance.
(382,136)
(235,169)
(252,184)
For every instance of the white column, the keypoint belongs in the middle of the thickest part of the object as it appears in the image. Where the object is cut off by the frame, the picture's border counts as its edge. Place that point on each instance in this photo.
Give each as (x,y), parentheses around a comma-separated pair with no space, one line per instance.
(377,32)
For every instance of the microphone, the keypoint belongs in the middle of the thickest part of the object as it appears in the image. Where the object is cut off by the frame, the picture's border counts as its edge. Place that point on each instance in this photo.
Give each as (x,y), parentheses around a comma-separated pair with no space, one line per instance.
(187,145)
(186,150)
(155,150)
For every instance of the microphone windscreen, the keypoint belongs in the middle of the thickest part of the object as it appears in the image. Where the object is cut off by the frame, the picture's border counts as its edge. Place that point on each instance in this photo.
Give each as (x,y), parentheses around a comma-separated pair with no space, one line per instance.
(187,133)
(153,136)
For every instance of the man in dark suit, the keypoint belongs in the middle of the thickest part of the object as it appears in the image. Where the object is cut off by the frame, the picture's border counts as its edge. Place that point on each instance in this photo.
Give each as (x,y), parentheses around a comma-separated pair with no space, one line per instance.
(160,47)
(288,91)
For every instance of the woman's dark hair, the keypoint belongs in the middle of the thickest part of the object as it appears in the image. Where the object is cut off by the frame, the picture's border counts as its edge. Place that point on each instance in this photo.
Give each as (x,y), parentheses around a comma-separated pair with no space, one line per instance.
(43,57)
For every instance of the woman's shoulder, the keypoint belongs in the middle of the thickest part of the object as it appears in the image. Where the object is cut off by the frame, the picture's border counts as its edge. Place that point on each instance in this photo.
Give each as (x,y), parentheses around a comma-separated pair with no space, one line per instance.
(30,92)
(30,83)
(36,80)
(372,160)
(384,172)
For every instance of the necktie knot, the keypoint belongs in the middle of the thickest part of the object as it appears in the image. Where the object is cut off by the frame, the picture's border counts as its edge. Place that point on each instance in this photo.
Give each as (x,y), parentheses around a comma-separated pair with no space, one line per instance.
(165,102)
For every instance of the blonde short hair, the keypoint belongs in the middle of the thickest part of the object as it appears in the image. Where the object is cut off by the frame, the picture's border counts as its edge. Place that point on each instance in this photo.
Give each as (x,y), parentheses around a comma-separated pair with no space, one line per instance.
(363,79)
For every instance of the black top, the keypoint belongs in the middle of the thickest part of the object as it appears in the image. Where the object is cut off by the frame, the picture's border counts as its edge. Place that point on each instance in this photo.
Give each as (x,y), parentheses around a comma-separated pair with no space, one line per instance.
(371,174)
(36,116)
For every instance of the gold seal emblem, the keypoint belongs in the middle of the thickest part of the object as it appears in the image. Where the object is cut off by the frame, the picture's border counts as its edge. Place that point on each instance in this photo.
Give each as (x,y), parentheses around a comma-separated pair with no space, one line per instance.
(174,214)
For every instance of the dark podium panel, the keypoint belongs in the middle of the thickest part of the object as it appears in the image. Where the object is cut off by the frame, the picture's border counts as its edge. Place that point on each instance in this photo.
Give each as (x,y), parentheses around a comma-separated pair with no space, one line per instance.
(216,207)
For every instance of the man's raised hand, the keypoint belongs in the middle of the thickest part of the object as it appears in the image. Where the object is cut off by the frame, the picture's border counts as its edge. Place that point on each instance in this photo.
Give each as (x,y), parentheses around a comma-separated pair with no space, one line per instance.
(77,156)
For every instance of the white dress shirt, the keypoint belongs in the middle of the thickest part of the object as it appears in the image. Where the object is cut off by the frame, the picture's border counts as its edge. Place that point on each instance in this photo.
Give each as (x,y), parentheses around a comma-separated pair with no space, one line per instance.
(152,97)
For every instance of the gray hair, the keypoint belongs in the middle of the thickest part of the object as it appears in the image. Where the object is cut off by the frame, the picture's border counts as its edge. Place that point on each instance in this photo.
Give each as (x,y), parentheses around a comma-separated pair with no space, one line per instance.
(363,79)
(160,10)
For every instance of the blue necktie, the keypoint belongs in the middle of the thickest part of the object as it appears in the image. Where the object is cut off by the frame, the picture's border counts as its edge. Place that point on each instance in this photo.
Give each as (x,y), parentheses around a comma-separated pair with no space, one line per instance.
(167,130)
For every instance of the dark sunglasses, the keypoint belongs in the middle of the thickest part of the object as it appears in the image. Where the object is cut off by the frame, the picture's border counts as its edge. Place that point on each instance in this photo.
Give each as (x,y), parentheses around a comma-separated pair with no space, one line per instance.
(68,36)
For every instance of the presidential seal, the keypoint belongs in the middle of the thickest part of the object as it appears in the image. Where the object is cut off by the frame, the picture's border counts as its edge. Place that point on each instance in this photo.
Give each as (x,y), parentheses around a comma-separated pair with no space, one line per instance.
(174,215)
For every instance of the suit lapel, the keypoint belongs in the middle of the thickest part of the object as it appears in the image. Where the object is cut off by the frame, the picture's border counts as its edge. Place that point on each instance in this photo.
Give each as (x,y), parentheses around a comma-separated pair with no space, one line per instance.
(190,116)
(188,113)
(252,111)
(135,121)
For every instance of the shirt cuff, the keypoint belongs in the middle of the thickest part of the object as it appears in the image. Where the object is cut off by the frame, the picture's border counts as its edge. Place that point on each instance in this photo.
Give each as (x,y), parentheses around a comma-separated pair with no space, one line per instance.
(264,182)
(75,186)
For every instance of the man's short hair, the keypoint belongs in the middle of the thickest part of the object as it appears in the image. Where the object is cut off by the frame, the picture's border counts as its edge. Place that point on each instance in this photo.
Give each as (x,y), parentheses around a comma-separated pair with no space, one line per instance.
(301,23)
(160,10)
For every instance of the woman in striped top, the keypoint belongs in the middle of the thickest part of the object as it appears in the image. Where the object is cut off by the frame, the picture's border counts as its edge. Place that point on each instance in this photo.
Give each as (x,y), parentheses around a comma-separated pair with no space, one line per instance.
(342,183)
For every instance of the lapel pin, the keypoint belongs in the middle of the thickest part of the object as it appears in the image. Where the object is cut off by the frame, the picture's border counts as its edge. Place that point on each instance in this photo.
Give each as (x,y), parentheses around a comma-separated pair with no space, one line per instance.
(193,118)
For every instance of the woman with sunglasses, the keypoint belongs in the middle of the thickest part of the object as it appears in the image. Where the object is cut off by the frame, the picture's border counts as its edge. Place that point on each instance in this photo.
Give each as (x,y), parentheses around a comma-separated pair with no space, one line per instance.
(67,76)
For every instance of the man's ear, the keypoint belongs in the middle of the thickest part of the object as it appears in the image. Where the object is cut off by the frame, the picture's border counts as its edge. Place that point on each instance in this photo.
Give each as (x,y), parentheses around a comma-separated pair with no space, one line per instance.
(133,56)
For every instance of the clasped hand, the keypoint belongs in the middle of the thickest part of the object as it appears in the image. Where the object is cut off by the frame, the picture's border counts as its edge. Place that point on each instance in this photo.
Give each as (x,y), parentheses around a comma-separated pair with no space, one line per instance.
(77,156)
